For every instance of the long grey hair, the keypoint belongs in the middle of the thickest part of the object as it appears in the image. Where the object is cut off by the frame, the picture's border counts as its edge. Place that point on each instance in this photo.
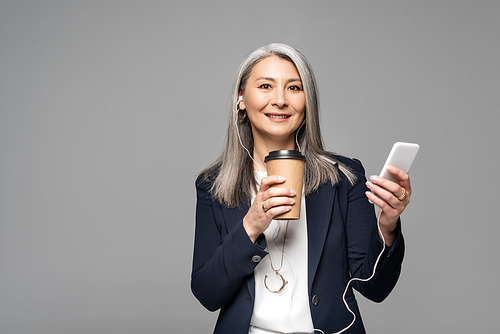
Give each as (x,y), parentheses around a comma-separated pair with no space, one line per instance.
(232,175)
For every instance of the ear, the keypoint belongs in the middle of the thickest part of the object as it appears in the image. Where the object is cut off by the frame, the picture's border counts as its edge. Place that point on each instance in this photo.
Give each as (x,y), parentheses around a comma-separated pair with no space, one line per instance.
(240,104)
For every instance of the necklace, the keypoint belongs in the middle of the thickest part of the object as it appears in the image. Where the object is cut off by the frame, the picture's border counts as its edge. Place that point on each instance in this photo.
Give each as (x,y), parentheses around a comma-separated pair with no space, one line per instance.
(284,282)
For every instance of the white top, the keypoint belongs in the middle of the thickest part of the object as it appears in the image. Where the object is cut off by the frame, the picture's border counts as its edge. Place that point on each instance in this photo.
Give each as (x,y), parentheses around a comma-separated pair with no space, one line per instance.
(287,311)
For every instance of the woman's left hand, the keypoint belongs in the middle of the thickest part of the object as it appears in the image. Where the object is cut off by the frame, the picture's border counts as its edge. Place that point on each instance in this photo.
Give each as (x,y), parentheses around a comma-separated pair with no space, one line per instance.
(392,198)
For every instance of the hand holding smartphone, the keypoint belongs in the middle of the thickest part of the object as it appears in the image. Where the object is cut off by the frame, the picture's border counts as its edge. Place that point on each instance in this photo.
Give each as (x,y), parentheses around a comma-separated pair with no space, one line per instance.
(401,156)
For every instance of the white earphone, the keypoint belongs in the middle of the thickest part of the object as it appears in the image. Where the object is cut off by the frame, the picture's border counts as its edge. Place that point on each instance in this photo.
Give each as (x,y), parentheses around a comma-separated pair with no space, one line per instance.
(240,98)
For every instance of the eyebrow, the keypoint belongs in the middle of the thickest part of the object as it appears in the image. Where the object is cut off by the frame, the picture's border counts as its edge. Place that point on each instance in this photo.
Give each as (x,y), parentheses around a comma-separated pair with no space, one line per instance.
(273,80)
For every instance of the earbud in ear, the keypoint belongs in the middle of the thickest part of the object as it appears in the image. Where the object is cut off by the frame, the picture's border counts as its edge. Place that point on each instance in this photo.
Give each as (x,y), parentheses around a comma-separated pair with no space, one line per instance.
(240,98)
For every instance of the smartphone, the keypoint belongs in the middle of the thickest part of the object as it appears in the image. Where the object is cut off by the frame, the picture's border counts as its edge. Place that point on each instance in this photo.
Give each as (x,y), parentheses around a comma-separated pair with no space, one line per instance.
(401,156)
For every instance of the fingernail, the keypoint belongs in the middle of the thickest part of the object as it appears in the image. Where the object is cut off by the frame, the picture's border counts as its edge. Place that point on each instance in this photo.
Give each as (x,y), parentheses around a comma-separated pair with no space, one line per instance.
(281,178)
(391,169)
(369,184)
(368,194)
(292,192)
(374,178)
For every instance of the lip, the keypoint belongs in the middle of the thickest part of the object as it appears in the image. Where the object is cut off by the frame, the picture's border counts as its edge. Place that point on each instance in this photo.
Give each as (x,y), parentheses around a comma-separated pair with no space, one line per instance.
(278,118)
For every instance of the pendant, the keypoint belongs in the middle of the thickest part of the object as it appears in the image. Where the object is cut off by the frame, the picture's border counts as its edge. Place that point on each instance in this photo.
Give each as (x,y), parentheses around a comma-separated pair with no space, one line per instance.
(282,286)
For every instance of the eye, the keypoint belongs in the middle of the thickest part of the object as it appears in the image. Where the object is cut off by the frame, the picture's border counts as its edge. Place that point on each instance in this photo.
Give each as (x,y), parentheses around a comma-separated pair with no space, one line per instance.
(265,86)
(295,87)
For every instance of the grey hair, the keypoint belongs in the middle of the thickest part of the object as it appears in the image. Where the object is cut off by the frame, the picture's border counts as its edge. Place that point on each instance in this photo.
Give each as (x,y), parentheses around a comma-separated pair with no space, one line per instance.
(232,175)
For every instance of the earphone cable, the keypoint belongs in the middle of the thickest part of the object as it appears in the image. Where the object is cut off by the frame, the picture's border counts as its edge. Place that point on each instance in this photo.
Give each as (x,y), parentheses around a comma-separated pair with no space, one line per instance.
(241,143)
(347,286)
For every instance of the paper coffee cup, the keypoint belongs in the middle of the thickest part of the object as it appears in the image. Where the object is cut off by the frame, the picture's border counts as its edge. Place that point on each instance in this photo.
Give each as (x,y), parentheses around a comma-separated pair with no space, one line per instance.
(290,165)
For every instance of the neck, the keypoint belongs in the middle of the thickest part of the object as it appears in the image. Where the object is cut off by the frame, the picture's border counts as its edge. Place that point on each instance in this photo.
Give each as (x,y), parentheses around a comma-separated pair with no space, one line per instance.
(262,148)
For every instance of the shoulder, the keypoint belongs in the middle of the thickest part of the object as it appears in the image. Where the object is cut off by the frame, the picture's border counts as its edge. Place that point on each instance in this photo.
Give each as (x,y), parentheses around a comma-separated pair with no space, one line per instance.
(352,164)
(206,178)
(202,183)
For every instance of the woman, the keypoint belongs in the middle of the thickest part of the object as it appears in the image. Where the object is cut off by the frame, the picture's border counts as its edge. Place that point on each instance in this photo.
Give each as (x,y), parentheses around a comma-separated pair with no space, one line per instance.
(269,276)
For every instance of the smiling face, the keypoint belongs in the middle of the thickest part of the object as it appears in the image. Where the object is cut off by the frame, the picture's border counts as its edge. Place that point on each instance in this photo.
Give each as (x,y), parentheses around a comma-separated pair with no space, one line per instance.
(275,102)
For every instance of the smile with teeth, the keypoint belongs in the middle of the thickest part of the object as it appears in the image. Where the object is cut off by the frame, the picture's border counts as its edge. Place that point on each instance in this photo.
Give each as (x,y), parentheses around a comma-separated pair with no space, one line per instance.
(278,116)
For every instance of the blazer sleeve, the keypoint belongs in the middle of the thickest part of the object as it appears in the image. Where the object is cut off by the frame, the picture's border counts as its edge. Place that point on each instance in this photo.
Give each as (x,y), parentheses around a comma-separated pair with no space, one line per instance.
(223,257)
(364,244)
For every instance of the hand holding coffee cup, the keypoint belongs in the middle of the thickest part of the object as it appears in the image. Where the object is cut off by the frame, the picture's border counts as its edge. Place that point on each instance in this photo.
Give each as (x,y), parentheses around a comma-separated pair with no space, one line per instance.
(280,193)
(269,202)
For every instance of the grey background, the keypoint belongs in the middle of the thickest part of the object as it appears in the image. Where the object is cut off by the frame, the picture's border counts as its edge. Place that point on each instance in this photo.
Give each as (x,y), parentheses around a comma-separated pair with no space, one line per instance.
(109,109)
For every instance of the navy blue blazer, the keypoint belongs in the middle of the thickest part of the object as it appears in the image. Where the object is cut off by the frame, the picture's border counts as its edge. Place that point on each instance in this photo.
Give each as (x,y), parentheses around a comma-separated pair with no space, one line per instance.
(343,242)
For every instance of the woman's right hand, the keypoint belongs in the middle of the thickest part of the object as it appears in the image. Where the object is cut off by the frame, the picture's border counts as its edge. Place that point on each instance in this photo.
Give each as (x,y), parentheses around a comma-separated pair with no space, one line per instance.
(269,202)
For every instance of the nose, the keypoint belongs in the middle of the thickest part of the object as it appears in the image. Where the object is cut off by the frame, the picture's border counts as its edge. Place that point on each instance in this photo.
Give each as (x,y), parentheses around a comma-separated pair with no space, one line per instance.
(279,99)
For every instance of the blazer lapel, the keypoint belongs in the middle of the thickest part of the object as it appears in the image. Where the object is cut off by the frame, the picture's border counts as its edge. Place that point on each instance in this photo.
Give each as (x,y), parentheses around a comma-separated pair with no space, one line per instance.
(231,218)
(319,207)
